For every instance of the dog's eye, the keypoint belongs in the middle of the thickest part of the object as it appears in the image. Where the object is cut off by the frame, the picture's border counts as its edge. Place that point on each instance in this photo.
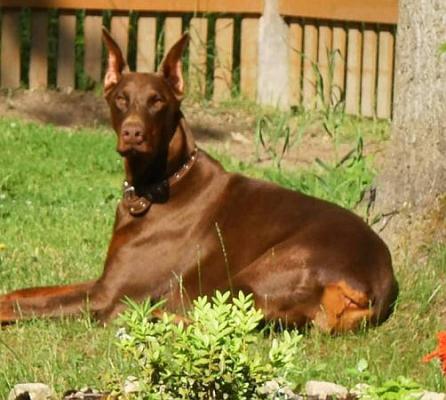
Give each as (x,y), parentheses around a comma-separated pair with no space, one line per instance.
(155,101)
(121,102)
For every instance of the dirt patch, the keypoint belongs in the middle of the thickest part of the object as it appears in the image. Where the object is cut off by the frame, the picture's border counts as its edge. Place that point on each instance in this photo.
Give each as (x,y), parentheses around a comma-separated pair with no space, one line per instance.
(74,109)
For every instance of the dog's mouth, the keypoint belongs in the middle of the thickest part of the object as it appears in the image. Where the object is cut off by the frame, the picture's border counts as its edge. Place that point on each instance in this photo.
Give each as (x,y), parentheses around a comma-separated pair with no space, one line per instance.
(128,152)
(134,150)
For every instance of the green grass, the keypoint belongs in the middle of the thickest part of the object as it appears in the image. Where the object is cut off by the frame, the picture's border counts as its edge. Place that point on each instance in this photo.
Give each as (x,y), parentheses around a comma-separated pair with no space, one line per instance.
(58,192)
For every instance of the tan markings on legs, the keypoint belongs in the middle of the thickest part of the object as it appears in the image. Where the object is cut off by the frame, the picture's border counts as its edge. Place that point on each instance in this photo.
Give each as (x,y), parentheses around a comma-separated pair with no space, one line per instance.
(342,308)
(353,319)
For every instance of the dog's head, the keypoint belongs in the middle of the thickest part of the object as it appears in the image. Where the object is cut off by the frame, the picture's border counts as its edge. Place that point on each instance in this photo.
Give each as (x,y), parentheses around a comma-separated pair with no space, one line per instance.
(145,107)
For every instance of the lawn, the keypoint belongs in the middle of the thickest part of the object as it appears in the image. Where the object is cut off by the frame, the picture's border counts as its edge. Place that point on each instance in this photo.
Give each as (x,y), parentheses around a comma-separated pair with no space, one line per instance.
(58,192)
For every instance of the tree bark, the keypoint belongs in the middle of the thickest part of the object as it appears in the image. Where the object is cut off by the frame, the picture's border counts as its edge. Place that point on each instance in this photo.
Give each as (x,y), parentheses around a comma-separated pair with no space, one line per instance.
(414,173)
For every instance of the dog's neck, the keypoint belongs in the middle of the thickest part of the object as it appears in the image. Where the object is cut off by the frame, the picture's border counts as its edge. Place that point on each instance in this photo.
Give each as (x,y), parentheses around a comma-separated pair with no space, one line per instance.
(181,147)
(141,174)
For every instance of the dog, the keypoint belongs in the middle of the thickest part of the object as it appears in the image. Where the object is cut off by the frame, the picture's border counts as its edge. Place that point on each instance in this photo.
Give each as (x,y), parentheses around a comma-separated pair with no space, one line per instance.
(185,227)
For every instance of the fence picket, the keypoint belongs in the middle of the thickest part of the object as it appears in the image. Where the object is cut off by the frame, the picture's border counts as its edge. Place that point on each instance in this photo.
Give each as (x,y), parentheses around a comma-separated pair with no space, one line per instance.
(172,32)
(119,29)
(224,39)
(65,51)
(369,72)
(324,54)
(353,81)
(198,55)
(146,44)
(339,47)
(10,48)
(93,47)
(249,57)
(310,60)
(38,66)
(385,74)
(295,42)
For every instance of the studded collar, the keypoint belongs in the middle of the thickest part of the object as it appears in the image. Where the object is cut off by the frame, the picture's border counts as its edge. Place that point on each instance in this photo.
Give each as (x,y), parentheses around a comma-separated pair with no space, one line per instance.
(138,205)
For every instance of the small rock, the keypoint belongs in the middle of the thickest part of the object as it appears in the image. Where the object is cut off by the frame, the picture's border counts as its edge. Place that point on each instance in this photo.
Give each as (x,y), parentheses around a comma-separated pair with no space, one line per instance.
(82,395)
(275,390)
(131,385)
(270,387)
(287,394)
(33,391)
(360,390)
(86,393)
(325,389)
(429,396)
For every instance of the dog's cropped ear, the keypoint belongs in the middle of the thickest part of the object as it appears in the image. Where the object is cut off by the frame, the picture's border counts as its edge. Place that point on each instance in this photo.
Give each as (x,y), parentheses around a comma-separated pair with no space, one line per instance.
(171,67)
(115,63)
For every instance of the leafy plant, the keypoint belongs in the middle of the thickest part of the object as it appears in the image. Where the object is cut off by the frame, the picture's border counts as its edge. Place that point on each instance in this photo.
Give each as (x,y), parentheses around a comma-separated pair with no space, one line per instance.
(216,356)
(401,388)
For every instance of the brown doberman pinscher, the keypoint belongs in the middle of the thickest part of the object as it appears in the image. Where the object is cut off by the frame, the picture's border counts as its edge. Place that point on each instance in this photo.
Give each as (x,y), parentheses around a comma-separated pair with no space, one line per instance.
(185,227)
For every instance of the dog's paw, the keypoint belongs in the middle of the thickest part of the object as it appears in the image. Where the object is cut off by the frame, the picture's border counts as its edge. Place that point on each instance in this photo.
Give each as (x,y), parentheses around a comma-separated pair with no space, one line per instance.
(7,314)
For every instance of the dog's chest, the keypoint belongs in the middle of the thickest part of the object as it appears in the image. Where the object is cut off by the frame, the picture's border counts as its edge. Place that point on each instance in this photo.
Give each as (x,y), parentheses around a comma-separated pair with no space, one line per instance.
(165,246)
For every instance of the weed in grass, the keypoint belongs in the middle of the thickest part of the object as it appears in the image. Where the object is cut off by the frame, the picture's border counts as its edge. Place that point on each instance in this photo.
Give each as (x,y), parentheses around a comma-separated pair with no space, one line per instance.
(330,99)
(275,137)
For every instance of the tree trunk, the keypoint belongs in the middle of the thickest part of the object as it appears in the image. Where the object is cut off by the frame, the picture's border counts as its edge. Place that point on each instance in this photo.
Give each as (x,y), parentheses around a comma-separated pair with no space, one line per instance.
(414,172)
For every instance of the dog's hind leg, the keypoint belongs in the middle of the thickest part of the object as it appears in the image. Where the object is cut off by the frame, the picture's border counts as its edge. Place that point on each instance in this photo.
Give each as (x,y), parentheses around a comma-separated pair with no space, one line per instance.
(343,309)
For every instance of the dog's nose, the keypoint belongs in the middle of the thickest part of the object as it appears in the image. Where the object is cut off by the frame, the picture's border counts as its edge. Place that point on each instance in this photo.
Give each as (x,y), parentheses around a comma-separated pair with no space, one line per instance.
(132,134)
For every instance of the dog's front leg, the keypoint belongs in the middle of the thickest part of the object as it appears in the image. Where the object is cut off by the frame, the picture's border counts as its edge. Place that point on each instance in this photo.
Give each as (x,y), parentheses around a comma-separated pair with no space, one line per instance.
(45,301)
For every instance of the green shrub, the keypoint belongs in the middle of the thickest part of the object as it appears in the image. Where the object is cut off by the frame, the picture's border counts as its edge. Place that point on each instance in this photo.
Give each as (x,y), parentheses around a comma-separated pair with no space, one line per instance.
(220,354)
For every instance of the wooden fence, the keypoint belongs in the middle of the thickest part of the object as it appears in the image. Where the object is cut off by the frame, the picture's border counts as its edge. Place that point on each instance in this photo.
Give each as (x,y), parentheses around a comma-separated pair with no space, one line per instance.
(351,42)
